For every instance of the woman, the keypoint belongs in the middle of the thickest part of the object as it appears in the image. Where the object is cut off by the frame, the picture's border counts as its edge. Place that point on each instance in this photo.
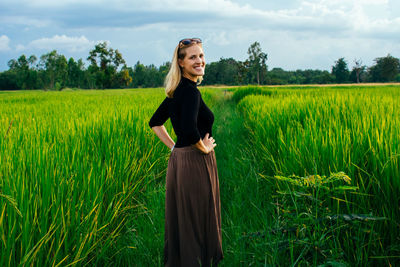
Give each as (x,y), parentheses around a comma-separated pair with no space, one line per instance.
(192,207)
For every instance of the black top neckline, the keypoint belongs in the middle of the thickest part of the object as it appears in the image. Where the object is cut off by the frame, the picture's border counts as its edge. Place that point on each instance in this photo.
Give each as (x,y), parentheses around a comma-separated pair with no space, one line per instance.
(186,80)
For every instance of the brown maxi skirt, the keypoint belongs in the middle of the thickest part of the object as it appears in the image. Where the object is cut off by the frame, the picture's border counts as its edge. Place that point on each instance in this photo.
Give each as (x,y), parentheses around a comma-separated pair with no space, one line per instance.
(192,210)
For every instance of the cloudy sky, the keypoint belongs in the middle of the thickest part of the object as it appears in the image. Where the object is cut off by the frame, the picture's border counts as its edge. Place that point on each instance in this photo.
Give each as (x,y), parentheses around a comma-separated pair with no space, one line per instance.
(296,34)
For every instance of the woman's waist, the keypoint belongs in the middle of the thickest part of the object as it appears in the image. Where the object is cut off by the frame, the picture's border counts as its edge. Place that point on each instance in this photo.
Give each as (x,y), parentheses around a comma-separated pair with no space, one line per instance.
(178,147)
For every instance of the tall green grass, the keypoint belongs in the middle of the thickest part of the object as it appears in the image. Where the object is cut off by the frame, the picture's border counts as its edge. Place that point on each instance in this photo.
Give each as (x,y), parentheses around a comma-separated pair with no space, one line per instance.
(308,176)
(323,131)
(71,167)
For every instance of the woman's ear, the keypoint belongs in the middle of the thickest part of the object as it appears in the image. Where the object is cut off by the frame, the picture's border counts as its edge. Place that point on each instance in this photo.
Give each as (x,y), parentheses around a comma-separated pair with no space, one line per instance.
(180,62)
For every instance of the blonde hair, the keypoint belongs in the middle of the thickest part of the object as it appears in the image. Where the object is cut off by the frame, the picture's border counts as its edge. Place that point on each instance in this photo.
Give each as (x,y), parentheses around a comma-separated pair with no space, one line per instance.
(174,75)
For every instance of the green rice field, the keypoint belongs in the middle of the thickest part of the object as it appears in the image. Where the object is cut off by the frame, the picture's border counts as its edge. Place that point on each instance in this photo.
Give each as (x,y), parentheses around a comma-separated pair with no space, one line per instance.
(309,176)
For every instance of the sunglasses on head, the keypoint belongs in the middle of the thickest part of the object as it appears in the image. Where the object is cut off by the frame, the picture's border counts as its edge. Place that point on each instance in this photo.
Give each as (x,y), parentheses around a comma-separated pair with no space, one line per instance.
(188,41)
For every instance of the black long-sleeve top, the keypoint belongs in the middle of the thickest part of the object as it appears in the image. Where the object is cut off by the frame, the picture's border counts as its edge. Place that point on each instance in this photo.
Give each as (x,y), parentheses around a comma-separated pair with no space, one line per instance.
(190,116)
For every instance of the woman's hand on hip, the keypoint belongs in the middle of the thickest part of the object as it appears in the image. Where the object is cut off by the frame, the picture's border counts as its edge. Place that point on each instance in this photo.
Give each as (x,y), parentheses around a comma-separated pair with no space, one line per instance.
(209,142)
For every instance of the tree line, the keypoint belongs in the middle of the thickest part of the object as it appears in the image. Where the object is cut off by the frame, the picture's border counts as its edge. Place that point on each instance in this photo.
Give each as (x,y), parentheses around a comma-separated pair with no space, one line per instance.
(108,69)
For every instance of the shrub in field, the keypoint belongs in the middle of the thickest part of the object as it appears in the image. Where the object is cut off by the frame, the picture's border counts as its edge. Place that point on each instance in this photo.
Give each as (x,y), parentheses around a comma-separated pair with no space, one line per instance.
(309,225)
(315,223)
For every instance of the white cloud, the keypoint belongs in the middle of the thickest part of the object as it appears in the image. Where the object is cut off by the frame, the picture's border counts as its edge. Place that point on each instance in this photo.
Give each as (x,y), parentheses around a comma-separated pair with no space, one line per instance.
(24,20)
(345,9)
(46,3)
(20,48)
(345,17)
(324,16)
(218,39)
(222,7)
(70,44)
(4,43)
(295,33)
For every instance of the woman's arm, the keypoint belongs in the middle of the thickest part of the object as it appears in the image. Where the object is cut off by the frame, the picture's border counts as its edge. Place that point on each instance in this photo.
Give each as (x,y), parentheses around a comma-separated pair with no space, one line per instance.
(162,133)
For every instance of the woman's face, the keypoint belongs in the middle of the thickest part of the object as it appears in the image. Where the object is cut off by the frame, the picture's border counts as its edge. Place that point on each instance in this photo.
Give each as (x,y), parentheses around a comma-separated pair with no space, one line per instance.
(194,63)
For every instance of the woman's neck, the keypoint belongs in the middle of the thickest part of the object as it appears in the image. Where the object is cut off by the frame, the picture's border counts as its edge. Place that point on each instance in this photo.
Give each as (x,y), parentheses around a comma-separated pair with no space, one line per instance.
(192,78)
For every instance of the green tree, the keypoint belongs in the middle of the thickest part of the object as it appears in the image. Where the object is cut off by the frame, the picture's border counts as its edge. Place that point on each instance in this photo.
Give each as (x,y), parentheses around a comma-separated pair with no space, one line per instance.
(341,71)
(151,77)
(164,68)
(104,64)
(21,69)
(358,71)
(90,77)
(124,78)
(139,75)
(148,76)
(230,71)
(8,80)
(55,70)
(210,75)
(385,69)
(225,71)
(323,77)
(76,73)
(257,63)
(242,72)
(24,72)
(277,76)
